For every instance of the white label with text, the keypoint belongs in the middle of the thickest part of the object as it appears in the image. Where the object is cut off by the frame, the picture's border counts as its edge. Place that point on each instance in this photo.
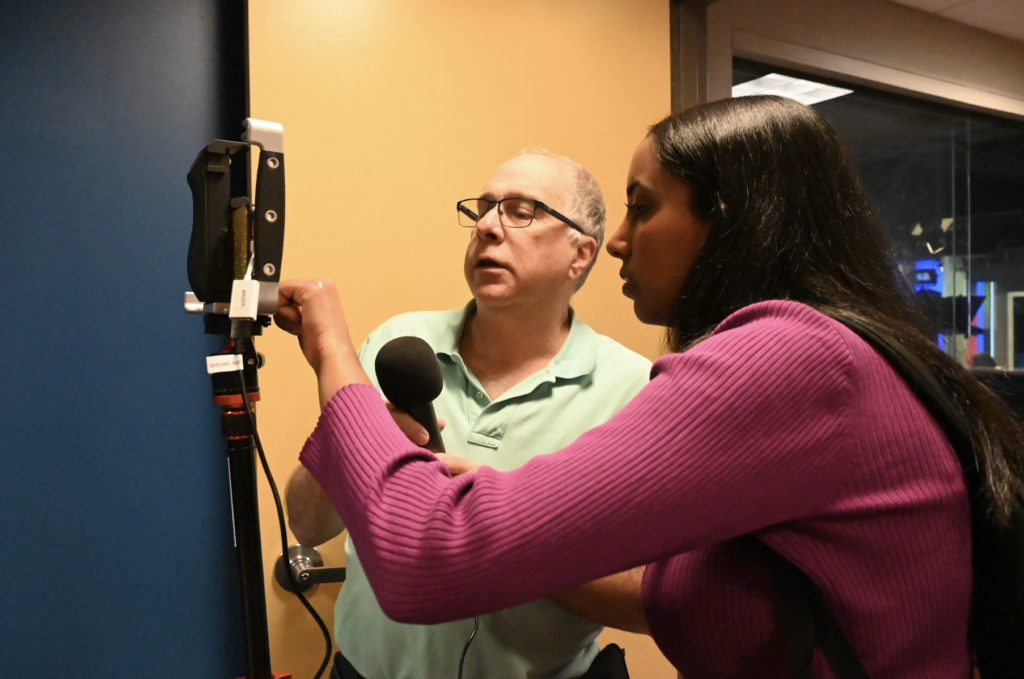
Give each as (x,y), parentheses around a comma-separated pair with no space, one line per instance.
(223,363)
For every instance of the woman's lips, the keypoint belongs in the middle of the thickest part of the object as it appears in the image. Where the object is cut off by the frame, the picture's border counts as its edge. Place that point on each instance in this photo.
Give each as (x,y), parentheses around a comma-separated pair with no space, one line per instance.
(627,287)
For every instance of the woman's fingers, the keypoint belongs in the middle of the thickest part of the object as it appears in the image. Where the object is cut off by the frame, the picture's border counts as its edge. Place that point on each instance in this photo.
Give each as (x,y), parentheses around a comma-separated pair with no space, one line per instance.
(289,319)
(410,427)
(299,293)
(415,431)
(294,292)
(311,309)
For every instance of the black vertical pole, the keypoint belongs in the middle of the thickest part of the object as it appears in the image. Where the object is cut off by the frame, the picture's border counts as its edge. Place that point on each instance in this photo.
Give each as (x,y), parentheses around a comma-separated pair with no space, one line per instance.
(248,548)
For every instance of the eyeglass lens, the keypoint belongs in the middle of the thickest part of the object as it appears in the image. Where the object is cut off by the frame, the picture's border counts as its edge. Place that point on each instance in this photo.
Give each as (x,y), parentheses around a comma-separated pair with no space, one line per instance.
(514,212)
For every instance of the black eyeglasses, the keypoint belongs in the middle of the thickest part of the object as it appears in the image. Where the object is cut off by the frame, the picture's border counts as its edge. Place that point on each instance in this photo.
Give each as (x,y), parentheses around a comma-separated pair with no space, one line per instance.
(514,213)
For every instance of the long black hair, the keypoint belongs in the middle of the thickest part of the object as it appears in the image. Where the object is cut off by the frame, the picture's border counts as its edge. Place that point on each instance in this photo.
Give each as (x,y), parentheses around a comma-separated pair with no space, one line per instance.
(789,220)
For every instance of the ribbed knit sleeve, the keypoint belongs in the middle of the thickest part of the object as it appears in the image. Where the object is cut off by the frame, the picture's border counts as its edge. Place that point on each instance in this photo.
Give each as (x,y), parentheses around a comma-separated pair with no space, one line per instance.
(745,430)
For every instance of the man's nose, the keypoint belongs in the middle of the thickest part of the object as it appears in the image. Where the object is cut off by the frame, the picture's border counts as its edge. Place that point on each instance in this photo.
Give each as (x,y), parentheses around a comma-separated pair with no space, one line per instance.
(489,227)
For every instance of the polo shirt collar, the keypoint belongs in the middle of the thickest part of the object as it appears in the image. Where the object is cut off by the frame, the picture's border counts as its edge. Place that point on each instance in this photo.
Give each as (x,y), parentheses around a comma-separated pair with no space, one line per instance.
(576,358)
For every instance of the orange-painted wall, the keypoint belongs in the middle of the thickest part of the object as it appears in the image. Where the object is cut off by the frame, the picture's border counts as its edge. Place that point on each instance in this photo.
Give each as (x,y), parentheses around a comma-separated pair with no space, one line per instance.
(395,109)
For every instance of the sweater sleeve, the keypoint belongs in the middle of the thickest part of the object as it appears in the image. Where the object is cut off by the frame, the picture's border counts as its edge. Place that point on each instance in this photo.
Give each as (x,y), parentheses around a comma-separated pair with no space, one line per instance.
(745,430)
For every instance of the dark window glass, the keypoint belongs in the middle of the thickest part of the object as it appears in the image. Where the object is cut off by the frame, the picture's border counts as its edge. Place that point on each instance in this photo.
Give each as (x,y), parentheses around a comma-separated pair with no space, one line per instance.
(949,186)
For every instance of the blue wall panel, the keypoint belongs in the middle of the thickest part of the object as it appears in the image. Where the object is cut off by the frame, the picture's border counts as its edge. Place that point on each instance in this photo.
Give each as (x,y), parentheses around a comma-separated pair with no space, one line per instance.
(117,555)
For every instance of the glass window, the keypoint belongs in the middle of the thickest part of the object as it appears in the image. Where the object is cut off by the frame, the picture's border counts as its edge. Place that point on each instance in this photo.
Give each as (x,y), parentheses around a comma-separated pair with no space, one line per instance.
(949,186)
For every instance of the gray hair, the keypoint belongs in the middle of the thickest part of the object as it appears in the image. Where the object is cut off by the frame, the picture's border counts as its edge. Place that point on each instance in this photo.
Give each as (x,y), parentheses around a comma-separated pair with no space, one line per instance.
(584,205)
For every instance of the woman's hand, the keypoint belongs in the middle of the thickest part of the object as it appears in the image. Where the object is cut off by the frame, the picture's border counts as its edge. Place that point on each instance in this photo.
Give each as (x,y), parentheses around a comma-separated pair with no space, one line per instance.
(418,435)
(413,430)
(311,311)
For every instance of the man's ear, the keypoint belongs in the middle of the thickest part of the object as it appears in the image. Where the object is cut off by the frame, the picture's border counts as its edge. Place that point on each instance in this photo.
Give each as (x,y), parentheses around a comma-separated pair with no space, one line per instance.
(585,253)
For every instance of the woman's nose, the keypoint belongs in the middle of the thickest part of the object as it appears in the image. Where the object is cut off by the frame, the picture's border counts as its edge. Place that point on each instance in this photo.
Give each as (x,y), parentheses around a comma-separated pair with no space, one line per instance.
(617,246)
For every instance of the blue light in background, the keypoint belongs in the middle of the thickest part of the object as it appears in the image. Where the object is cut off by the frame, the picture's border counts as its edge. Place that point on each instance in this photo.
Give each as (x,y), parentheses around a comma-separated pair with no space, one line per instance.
(929,265)
(979,291)
(934,266)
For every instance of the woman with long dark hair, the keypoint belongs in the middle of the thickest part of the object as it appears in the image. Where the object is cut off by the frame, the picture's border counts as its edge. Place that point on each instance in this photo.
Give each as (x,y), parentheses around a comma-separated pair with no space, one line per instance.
(747,236)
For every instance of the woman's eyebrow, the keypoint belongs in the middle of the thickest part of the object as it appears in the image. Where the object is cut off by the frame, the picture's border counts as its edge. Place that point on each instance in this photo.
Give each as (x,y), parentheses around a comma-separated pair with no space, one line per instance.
(632,187)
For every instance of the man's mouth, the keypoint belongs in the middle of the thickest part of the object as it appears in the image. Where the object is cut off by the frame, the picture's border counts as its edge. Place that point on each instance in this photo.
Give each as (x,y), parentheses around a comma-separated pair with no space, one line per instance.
(485,263)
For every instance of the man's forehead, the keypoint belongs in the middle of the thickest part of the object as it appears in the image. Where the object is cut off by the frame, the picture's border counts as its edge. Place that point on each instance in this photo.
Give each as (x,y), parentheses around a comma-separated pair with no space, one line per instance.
(530,175)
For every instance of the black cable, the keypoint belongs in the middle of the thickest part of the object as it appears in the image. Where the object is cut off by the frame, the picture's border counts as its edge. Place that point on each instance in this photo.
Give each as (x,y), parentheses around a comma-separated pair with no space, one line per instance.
(476,626)
(284,533)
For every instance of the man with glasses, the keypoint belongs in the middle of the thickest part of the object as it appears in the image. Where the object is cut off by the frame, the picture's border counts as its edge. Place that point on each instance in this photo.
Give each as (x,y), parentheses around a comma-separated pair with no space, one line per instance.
(522,377)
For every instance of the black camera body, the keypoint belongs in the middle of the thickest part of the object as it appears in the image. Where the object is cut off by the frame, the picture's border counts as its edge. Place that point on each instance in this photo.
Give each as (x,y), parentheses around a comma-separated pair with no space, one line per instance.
(235,240)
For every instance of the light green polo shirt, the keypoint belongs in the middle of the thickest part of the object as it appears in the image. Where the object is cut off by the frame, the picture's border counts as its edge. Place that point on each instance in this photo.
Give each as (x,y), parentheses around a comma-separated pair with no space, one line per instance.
(586,383)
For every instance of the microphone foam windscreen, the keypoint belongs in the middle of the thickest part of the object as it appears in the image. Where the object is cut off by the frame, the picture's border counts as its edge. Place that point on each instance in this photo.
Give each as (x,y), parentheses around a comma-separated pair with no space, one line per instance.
(407,372)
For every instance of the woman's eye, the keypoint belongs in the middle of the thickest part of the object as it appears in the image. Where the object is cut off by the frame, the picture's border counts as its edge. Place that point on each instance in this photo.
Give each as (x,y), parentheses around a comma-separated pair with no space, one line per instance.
(636,208)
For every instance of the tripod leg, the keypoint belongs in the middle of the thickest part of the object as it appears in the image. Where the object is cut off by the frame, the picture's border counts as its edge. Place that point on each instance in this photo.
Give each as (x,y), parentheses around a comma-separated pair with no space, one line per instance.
(245,510)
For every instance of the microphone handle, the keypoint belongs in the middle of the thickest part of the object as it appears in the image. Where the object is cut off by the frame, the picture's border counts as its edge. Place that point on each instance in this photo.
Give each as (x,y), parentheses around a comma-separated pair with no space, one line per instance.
(424,414)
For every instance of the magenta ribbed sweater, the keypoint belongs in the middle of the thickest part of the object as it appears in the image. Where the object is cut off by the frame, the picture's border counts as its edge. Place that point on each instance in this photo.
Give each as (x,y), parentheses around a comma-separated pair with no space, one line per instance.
(783,423)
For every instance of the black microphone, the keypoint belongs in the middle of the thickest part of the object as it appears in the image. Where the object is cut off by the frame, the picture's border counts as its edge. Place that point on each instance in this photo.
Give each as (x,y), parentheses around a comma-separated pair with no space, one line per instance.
(410,378)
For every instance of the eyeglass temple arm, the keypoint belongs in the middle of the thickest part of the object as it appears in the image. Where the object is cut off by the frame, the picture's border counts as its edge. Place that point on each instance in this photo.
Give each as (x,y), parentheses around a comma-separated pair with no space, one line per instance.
(559,215)
(466,211)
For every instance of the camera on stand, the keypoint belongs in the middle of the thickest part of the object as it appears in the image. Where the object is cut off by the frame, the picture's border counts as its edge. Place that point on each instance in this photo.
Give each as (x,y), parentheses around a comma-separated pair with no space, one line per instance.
(234,267)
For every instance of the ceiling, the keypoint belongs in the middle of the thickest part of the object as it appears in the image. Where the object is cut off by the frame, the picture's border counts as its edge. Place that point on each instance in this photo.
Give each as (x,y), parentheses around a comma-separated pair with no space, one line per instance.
(1004,17)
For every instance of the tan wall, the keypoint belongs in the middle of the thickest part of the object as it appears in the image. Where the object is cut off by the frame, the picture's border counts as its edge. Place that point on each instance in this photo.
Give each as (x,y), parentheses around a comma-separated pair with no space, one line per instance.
(392,111)
(891,45)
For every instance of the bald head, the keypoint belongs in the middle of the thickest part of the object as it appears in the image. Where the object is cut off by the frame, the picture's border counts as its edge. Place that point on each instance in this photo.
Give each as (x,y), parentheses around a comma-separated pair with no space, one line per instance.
(579,195)
(542,178)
